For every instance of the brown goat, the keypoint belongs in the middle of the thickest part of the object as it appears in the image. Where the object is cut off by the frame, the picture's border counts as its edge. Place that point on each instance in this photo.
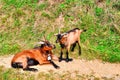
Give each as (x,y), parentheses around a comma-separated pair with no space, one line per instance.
(41,55)
(67,40)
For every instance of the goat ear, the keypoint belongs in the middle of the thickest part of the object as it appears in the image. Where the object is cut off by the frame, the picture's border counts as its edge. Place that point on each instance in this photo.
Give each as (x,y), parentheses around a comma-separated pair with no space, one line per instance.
(41,42)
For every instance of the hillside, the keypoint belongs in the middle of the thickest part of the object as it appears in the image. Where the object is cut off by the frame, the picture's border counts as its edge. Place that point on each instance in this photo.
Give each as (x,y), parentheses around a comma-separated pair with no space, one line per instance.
(23,23)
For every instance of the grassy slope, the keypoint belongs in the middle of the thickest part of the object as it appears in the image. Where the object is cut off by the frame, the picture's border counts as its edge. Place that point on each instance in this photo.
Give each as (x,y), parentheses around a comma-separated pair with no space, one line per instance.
(23,23)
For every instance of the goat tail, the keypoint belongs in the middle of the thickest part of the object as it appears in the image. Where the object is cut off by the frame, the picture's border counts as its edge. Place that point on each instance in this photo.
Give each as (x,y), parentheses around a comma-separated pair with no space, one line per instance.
(84,30)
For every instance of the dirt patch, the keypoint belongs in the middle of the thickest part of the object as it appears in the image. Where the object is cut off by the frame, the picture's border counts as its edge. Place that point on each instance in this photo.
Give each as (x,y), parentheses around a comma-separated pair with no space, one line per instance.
(96,67)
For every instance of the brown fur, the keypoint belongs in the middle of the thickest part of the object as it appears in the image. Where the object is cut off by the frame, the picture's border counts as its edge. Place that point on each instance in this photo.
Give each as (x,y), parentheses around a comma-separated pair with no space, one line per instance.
(38,54)
(68,39)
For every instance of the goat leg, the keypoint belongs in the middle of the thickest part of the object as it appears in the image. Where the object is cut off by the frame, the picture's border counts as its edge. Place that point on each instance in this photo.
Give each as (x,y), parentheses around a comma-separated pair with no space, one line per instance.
(60,58)
(67,57)
(26,66)
(55,66)
(30,69)
(79,48)
(73,47)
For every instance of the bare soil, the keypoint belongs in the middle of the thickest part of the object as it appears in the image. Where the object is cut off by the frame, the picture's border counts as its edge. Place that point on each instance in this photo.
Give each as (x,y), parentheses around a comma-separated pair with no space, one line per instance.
(96,67)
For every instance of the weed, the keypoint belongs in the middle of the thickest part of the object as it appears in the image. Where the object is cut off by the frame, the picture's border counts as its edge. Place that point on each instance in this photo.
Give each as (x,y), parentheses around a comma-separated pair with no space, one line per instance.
(98,11)
(25,22)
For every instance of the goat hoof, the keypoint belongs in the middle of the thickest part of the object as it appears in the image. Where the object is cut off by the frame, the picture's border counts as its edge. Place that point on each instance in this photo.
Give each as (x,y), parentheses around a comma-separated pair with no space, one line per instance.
(30,69)
(34,70)
(67,60)
(60,59)
(57,67)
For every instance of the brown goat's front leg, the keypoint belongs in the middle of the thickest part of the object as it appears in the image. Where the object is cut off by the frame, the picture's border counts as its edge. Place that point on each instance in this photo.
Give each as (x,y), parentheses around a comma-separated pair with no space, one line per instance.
(60,58)
(67,57)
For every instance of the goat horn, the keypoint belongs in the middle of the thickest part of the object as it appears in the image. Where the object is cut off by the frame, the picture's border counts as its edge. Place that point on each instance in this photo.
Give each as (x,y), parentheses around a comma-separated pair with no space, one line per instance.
(59,31)
(44,37)
(56,34)
(64,33)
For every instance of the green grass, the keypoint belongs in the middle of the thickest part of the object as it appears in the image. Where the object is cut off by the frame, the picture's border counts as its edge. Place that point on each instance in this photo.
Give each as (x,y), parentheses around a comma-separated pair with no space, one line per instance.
(24,22)
(13,74)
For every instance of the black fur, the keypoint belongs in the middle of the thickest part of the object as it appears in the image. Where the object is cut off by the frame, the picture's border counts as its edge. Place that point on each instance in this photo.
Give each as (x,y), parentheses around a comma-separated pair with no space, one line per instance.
(30,69)
(62,45)
(55,66)
(32,62)
(61,58)
(73,47)
(73,30)
(16,65)
(59,36)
